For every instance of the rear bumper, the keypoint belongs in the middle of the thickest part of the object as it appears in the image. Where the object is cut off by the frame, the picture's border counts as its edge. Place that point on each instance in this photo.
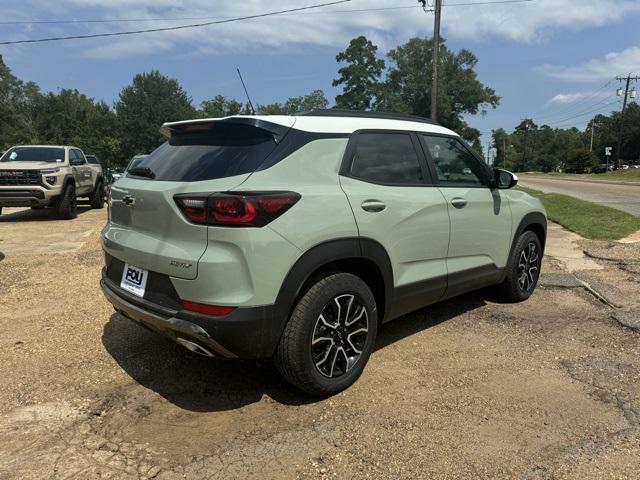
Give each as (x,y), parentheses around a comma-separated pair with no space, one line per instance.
(23,198)
(245,333)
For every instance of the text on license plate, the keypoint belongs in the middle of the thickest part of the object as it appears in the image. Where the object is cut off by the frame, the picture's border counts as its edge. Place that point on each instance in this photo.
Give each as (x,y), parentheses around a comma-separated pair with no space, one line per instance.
(134,280)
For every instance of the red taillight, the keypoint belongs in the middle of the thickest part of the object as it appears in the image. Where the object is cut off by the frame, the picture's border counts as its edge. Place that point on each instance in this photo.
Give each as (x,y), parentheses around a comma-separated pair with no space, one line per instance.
(214,310)
(231,209)
(236,209)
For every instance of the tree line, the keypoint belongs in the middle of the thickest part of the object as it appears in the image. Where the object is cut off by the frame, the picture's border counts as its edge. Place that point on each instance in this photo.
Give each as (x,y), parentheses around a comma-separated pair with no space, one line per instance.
(532,147)
(398,83)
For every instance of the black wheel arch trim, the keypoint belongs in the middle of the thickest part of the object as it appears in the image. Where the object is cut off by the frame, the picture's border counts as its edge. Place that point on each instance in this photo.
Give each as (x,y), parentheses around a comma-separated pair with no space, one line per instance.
(536,219)
(329,252)
(69,178)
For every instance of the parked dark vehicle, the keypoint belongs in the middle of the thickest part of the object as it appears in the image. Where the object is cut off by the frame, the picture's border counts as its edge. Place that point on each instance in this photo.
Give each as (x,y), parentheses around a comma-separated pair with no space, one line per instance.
(602,168)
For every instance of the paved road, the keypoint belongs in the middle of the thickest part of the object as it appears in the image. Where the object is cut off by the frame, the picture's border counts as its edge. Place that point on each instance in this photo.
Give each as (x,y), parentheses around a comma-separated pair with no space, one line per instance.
(622,197)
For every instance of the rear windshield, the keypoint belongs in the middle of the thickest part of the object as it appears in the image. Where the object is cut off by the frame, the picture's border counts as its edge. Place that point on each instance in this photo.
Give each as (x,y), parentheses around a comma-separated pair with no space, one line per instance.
(207,152)
(33,154)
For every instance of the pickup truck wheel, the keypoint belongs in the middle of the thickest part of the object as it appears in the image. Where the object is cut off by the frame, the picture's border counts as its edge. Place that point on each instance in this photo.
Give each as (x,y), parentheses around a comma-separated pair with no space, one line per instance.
(67,204)
(330,335)
(97,197)
(523,269)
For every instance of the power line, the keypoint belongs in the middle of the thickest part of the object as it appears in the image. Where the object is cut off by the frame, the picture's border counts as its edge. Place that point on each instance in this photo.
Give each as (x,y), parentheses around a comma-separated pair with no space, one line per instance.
(178,27)
(289,13)
(583,113)
(577,103)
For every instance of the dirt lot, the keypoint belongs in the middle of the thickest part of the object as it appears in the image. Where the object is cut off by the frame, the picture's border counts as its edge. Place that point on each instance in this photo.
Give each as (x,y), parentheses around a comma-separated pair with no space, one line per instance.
(546,389)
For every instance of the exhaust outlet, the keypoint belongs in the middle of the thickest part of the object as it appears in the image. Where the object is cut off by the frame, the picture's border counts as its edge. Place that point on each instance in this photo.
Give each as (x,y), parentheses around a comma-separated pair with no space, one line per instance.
(194,347)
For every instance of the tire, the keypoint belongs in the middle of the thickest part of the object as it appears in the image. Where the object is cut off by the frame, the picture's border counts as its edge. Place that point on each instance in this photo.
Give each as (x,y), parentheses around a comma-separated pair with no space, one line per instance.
(522,271)
(321,316)
(97,197)
(67,205)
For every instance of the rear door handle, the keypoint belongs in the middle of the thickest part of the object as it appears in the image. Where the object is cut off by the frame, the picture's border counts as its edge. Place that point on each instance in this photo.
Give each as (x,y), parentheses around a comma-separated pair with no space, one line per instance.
(459,202)
(373,205)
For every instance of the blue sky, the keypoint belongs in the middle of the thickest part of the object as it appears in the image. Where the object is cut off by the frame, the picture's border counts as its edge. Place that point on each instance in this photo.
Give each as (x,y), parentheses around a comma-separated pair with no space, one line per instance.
(554,60)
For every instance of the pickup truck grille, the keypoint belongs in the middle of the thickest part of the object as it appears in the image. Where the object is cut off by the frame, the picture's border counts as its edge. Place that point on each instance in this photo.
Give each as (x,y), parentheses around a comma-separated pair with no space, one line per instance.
(20,177)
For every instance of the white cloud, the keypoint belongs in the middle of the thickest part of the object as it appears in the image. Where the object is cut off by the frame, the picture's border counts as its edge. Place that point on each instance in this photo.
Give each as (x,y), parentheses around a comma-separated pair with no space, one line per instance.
(614,63)
(564,98)
(523,22)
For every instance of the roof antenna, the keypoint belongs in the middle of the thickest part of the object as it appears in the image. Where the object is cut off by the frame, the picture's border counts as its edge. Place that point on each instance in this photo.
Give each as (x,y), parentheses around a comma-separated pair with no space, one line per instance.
(247,93)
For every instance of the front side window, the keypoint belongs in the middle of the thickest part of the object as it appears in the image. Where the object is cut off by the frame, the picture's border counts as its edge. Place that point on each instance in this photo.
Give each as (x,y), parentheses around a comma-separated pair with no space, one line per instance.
(80,156)
(388,158)
(455,164)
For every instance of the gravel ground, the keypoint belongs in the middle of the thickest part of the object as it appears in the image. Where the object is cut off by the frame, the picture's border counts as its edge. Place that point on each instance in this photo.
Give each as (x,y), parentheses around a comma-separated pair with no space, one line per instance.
(546,389)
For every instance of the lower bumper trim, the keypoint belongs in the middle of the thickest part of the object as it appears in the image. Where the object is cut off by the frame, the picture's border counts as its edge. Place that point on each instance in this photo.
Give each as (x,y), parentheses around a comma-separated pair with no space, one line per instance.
(180,331)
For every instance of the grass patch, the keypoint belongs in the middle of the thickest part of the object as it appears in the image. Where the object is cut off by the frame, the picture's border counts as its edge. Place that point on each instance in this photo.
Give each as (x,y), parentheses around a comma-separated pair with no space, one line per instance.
(630,175)
(587,219)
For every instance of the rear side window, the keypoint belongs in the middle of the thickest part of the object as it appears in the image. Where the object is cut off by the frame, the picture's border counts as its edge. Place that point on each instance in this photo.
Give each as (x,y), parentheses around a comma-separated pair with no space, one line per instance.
(211,151)
(455,164)
(388,158)
(92,159)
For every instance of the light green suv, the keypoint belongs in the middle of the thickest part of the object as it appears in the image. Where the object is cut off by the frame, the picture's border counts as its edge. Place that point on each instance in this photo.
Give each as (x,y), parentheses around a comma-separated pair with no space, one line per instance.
(296,237)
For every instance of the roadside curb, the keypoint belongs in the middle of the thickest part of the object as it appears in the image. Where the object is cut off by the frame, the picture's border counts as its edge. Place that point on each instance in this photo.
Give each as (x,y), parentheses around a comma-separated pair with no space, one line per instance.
(569,280)
(628,318)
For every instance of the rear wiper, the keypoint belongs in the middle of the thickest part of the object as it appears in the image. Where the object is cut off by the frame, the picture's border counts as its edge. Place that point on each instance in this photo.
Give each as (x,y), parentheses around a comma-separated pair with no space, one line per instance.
(142,172)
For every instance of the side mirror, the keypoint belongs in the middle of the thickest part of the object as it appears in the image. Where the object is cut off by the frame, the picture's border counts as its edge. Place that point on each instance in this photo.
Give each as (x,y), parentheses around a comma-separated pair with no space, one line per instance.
(75,162)
(504,179)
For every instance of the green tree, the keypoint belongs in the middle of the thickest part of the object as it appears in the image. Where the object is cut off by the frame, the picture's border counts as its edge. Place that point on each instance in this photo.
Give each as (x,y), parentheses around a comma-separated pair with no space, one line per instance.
(501,142)
(360,77)
(17,108)
(580,160)
(408,84)
(143,106)
(315,100)
(220,106)
(71,118)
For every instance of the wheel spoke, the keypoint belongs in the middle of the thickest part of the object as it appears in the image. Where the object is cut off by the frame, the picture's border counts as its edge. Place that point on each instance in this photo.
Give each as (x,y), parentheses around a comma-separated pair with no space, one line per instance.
(322,339)
(355,318)
(333,361)
(357,332)
(325,357)
(332,326)
(522,263)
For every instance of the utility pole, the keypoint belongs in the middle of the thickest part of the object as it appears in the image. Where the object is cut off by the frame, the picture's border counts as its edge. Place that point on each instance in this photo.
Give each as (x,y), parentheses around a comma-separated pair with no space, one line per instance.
(593,125)
(524,147)
(436,51)
(504,152)
(627,81)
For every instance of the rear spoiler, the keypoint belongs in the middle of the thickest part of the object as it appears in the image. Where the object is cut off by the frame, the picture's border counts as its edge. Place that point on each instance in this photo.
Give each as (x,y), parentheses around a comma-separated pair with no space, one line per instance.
(278,131)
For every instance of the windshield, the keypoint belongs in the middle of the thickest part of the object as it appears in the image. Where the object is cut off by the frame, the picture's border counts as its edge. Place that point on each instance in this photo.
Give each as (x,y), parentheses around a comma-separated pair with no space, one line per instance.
(34,154)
